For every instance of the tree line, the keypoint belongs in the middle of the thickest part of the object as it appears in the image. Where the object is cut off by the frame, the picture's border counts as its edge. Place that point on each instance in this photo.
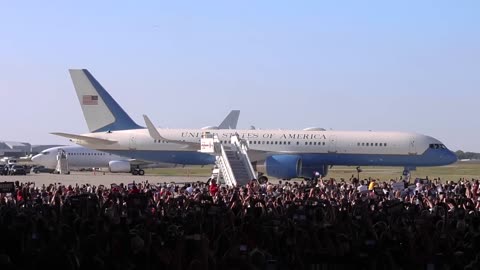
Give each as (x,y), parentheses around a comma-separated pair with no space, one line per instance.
(467,155)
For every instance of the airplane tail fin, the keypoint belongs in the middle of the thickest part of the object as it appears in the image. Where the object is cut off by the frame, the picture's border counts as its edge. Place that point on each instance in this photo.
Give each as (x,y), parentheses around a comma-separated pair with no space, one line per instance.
(230,122)
(101,111)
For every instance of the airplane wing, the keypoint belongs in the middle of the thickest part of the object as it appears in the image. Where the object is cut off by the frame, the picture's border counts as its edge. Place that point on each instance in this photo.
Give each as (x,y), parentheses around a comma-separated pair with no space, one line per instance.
(91,140)
(156,135)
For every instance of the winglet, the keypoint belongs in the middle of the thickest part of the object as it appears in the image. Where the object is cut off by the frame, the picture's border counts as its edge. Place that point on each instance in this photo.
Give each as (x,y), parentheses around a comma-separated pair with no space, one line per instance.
(152,130)
(156,135)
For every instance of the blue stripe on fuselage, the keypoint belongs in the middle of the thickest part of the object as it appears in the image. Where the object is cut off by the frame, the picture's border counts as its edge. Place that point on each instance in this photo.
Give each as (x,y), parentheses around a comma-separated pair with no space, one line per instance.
(431,157)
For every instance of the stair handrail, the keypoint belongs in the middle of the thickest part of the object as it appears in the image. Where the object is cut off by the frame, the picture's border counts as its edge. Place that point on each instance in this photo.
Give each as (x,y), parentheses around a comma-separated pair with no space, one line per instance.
(227,172)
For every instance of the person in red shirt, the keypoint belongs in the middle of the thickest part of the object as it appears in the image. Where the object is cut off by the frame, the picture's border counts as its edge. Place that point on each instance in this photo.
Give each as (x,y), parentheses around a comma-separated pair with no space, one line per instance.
(19,196)
(213,187)
(134,190)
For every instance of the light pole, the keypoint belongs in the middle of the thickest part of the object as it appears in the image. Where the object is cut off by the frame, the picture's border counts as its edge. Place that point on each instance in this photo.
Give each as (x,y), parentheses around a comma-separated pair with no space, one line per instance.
(359,170)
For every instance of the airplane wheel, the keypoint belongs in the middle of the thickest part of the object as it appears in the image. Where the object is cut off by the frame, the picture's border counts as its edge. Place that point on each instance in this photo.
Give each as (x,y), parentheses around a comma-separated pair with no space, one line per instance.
(134,172)
(141,172)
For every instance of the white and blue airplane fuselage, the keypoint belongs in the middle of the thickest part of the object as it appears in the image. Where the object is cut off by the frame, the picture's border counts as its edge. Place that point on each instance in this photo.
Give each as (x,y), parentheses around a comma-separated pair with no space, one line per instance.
(296,151)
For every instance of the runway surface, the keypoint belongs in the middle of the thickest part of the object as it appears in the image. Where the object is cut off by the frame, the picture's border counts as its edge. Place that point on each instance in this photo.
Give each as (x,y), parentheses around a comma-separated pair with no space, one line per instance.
(98,178)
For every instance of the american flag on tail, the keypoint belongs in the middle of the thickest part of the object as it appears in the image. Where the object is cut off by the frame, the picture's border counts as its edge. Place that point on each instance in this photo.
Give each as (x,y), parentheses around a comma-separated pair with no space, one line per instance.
(90,100)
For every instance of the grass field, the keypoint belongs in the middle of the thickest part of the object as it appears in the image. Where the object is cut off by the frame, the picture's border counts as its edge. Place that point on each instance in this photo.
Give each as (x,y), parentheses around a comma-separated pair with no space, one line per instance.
(185,171)
(453,172)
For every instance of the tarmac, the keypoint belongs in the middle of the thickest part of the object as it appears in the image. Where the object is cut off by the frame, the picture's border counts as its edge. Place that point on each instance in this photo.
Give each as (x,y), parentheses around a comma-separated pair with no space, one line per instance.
(98,178)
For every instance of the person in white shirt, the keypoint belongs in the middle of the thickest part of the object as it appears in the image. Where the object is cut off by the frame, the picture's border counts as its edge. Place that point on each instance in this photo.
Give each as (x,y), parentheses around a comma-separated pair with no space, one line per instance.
(362,188)
(189,189)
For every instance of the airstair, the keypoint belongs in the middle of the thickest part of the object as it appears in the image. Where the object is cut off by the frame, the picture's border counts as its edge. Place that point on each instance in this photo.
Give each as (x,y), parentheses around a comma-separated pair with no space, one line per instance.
(62,162)
(232,164)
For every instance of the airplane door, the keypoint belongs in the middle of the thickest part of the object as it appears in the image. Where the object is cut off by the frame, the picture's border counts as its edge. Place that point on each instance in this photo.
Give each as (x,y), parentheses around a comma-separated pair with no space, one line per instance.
(332,144)
(133,144)
(411,147)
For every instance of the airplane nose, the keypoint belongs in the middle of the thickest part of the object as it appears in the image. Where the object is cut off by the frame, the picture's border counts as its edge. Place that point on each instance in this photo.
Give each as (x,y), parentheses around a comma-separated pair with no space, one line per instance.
(38,159)
(35,158)
(452,157)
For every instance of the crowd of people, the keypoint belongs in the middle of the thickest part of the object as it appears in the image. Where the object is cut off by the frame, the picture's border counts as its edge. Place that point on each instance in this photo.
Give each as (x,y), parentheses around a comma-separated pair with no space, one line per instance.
(324,224)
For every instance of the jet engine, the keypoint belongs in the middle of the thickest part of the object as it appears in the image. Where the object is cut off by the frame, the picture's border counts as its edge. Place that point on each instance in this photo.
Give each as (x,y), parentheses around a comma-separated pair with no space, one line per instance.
(119,166)
(284,166)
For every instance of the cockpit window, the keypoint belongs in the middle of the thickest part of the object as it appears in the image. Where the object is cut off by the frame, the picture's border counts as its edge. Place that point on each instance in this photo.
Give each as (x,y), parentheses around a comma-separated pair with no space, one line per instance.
(46,153)
(437,146)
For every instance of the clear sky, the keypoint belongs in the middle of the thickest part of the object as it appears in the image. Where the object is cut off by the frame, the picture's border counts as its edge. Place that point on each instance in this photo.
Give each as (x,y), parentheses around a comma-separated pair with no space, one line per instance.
(342,65)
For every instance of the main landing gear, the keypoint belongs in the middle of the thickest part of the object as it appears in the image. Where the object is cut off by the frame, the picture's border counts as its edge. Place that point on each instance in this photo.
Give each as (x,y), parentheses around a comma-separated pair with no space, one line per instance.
(137,171)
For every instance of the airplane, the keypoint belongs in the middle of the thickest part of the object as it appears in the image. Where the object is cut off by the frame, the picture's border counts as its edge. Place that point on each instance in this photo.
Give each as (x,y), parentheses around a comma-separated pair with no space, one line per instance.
(80,157)
(285,154)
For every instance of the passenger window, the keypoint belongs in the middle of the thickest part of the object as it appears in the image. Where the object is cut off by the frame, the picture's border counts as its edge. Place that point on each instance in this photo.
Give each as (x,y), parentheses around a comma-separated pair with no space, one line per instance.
(288,143)
(306,143)
(276,142)
(384,144)
(363,144)
(367,143)
(323,143)
(310,143)
(376,144)
(358,144)
(298,143)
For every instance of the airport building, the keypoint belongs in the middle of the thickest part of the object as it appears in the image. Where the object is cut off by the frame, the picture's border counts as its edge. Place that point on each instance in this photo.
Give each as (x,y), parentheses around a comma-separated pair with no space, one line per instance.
(14,149)
(20,149)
